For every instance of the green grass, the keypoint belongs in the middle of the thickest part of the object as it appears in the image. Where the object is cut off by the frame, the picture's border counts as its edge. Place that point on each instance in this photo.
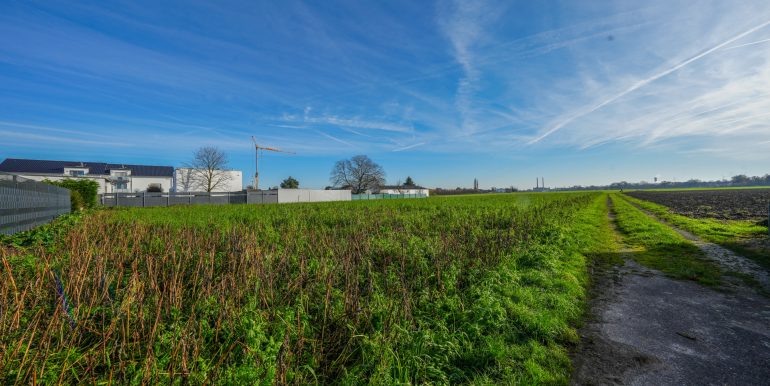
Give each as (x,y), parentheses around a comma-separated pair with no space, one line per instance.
(476,289)
(660,247)
(731,234)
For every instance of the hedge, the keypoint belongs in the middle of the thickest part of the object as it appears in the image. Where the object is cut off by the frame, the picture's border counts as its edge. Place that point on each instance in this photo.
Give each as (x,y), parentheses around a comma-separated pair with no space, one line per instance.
(83,192)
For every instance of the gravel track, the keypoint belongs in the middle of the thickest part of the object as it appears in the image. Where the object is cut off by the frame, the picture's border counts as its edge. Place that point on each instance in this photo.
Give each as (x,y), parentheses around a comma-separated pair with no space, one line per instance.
(648,329)
(726,258)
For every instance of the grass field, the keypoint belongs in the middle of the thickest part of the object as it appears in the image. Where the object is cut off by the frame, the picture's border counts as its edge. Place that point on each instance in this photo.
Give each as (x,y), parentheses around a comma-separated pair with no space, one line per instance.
(477,290)
(658,246)
(744,237)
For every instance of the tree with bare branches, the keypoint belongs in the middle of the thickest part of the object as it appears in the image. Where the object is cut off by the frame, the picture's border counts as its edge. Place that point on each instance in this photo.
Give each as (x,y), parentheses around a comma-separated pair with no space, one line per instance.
(359,174)
(208,169)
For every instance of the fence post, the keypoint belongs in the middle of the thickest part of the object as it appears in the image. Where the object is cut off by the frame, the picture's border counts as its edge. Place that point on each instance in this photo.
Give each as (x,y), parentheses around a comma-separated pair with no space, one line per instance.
(189,199)
(768,218)
(168,199)
(144,195)
(117,202)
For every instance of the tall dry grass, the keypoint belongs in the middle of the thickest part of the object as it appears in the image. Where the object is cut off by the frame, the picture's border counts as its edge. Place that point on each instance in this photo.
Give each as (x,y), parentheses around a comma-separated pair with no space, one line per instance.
(453,290)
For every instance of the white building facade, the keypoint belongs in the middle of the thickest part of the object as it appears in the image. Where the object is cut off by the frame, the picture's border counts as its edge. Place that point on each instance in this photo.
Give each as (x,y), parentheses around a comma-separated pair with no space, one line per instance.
(111,178)
(404,189)
(192,180)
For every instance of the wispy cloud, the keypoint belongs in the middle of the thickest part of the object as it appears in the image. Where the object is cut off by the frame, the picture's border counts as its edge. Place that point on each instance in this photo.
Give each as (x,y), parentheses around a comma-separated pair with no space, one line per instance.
(335,139)
(57,139)
(639,84)
(412,146)
(359,123)
(463,23)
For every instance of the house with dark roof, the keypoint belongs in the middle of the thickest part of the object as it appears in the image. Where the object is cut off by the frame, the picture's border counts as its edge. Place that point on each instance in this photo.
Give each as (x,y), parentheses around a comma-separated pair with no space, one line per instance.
(404,189)
(111,178)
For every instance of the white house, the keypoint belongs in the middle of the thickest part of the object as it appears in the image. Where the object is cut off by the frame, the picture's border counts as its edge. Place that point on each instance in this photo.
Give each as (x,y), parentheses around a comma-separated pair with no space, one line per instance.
(191,180)
(112,178)
(404,189)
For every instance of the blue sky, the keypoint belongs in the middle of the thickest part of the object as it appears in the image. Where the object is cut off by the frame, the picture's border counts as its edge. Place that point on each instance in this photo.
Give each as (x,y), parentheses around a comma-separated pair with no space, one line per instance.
(580,92)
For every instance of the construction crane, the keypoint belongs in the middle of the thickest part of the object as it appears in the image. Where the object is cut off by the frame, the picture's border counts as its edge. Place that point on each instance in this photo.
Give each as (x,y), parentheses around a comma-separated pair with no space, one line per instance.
(257,148)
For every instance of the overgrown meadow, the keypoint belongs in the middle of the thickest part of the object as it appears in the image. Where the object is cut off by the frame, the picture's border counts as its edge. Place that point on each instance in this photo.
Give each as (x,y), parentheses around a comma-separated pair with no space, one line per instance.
(483,289)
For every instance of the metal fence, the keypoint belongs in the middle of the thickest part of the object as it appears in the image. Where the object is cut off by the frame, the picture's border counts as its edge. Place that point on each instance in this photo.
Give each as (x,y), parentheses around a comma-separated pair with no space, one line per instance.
(25,204)
(147,199)
(386,196)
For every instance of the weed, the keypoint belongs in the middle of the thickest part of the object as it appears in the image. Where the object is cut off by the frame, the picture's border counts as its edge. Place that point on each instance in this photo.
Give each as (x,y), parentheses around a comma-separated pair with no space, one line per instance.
(441,290)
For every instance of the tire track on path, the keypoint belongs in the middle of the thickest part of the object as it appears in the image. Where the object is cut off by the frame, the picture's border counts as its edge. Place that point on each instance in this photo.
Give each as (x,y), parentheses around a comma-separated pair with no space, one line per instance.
(646,328)
(726,258)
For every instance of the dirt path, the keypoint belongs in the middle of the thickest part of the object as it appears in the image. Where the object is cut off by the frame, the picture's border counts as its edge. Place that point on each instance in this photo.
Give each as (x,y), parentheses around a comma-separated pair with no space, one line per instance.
(648,329)
(726,258)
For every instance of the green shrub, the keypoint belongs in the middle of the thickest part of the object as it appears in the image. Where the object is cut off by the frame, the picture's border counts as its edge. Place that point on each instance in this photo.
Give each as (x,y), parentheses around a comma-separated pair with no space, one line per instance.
(76,200)
(82,192)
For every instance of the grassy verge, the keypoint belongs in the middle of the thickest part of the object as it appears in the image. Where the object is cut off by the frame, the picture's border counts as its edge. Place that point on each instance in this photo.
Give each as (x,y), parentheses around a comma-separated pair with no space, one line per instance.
(660,247)
(45,236)
(731,234)
(602,244)
(475,290)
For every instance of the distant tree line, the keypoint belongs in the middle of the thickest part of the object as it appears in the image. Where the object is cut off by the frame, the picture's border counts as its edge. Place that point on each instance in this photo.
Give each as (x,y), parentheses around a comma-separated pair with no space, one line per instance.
(735,181)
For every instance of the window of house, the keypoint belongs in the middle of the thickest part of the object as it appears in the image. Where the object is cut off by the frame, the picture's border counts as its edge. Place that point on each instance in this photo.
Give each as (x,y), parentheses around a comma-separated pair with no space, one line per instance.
(75,172)
(121,185)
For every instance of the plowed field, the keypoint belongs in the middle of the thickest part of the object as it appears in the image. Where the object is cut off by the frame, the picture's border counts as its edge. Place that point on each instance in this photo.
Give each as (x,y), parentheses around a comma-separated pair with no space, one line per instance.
(728,204)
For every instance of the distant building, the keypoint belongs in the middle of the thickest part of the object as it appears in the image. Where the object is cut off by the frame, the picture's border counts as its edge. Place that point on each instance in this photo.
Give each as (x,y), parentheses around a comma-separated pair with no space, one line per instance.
(403,189)
(112,178)
(188,180)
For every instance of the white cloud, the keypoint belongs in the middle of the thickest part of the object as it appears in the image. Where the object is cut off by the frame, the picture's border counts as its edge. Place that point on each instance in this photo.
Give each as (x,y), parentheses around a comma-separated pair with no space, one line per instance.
(463,24)
(644,82)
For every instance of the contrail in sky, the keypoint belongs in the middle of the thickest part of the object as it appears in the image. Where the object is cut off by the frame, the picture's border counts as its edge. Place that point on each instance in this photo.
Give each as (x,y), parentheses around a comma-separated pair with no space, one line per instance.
(645,82)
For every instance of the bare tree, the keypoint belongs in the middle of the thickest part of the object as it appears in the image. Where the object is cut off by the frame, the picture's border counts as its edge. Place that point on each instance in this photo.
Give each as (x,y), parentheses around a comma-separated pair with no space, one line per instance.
(185,180)
(208,169)
(358,173)
(399,187)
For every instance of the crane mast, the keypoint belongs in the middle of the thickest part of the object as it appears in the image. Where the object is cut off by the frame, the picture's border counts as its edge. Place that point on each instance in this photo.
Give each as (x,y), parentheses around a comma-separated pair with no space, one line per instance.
(257,148)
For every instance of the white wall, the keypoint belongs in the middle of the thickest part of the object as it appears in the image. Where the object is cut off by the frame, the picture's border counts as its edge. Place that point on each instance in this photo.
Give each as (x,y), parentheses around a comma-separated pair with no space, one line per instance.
(312,195)
(406,191)
(233,184)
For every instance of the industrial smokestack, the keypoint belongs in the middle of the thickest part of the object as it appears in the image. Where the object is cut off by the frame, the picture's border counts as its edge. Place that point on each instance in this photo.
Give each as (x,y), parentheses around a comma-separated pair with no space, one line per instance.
(537,183)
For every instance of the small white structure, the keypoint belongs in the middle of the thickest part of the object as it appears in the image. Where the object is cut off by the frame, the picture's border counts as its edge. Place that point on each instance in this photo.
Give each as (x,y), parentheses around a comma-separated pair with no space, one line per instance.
(404,189)
(312,195)
(190,180)
(111,178)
